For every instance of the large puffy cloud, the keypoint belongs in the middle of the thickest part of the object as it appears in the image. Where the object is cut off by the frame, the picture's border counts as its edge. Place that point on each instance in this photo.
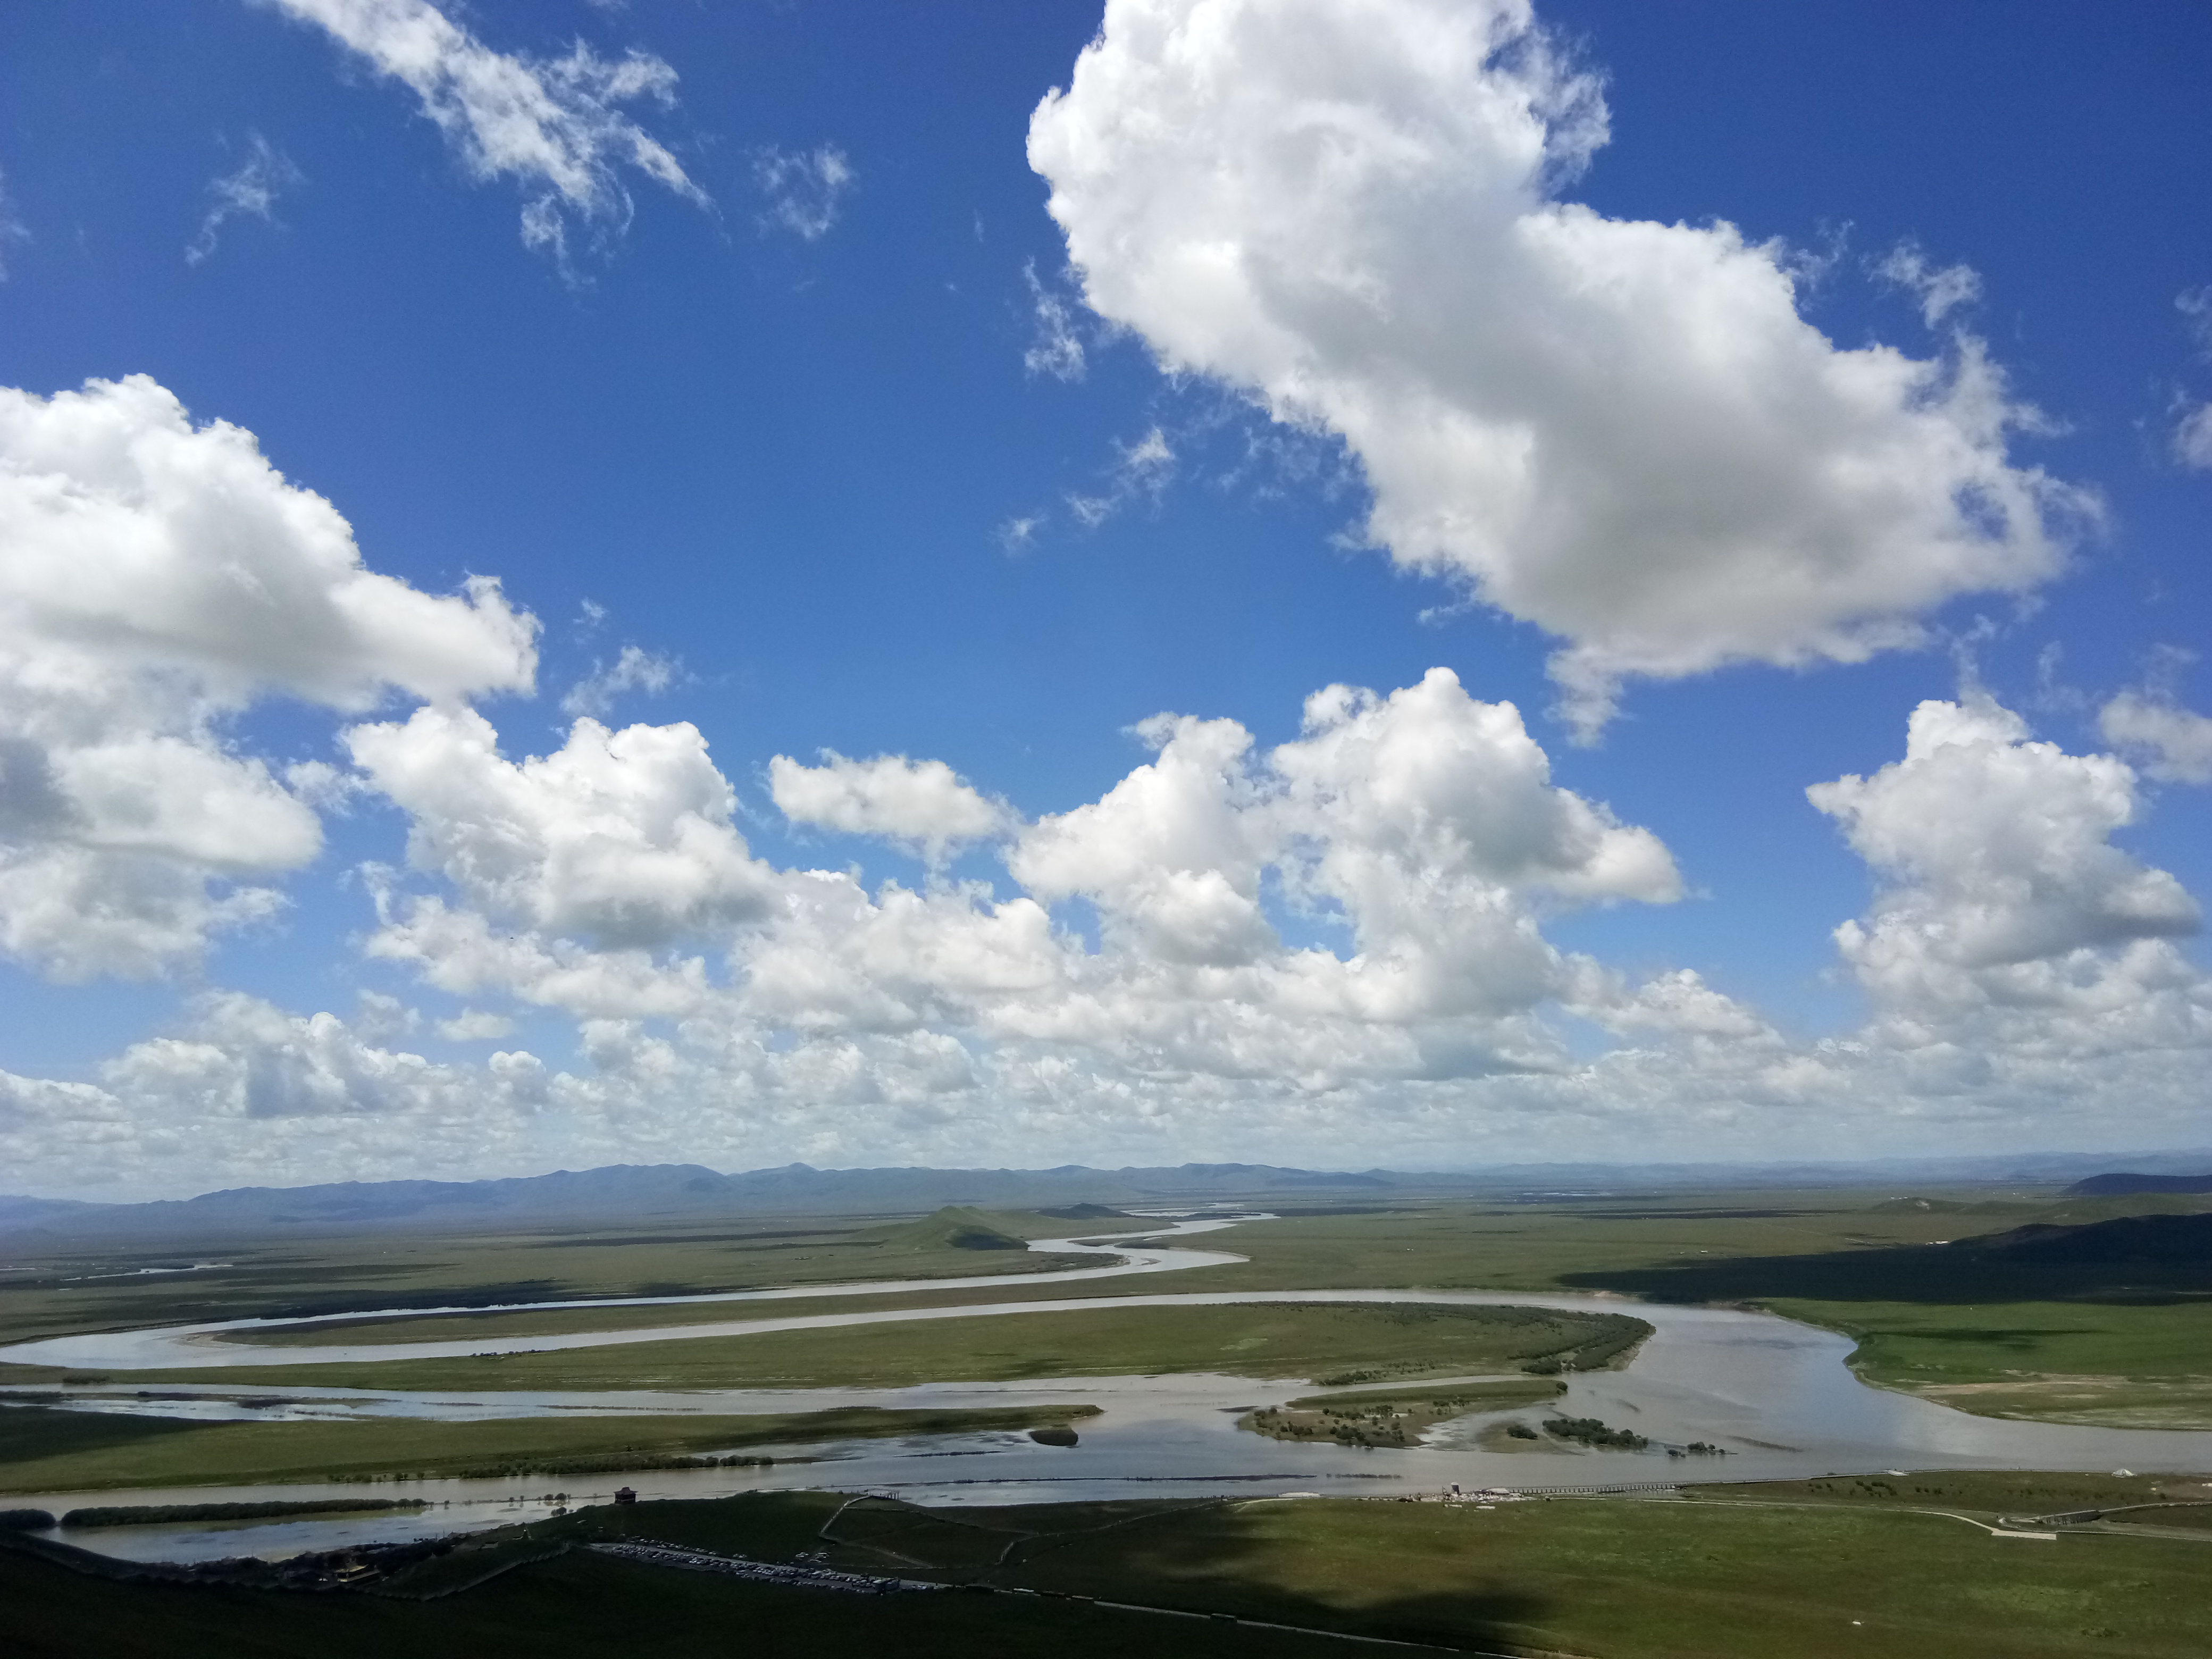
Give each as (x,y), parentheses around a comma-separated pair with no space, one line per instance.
(1623,431)
(621,839)
(2022,973)
(144,541)
(1422,829)
(2001,881)
(554,125)
(2023,982)
(921,803)
(727,1010)
(1172,854)
(2022,969)
(158,577)
(1426,822)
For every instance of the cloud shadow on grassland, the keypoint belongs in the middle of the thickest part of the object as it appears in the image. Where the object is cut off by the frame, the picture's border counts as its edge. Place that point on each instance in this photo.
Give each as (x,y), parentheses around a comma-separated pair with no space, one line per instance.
(1968,1272)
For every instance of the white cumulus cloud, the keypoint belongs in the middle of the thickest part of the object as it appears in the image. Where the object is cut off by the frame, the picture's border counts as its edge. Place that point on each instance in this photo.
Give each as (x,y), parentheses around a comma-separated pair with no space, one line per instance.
(1999,881)
(922,804)
(2175,744)
(1424,823)
(1621,431)
(1421,829)
(617,838)
(1333,948)
(160,576)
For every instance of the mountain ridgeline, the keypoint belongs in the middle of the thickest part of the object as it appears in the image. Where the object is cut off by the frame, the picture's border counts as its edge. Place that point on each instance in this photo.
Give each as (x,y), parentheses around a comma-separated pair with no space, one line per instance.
(680,1194)
(690,1193)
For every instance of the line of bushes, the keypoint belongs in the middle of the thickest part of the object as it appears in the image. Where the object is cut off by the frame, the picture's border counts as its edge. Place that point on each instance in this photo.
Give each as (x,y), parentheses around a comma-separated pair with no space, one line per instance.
(1588,1431)
(605,1463)
(1615,1335)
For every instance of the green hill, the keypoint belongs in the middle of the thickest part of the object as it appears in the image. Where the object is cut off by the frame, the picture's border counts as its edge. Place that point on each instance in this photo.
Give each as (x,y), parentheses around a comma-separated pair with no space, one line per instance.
(955,1227)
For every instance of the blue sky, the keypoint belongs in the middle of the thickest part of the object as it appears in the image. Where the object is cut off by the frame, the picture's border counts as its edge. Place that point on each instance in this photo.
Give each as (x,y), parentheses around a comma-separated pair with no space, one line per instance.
(1715,388)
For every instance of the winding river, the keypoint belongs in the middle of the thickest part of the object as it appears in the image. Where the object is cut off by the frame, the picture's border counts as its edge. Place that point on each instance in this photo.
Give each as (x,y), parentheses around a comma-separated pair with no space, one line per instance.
(1777,1394)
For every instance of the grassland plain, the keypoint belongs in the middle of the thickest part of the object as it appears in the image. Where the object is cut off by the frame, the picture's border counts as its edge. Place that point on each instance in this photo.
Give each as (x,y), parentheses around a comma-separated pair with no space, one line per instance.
(2124,1363)
(1644,1579)
(85,1287)
(582,1606)
(48,1451)
(1987,1493)
(1610,1579)
(1350,1342)
(1448,1246)
(1660,1581)
(2121,1346)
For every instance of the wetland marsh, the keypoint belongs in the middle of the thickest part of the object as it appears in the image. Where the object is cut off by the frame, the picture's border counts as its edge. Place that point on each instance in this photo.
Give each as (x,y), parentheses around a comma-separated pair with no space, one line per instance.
(1377,1352)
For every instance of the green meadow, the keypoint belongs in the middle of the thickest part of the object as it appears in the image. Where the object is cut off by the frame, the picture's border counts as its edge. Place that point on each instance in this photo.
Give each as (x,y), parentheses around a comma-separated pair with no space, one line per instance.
(47,1450)
(83,1286)
(2122,1345)
(1346,1341)
(1711,1577)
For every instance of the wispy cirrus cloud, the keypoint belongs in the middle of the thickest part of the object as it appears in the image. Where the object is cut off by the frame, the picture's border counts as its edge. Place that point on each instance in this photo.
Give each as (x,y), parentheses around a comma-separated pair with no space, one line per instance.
(1940,289)
(249,191)
(1018,533)
(1141,471)
(558,127)
(805,191)
(634,670)
(11,229)
(2192,428)
(1056,348)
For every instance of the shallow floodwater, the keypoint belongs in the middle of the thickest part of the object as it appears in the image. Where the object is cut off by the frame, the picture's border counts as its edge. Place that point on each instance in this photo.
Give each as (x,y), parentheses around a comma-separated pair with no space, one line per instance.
(1776,1394)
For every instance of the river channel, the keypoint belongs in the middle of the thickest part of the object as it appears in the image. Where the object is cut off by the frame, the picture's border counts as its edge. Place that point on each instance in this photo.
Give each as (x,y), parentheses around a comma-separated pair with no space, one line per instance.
(1777,1396)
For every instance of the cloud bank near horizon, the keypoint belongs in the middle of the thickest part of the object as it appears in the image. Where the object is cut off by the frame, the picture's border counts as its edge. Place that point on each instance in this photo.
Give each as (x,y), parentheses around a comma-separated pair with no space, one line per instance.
(1333,946)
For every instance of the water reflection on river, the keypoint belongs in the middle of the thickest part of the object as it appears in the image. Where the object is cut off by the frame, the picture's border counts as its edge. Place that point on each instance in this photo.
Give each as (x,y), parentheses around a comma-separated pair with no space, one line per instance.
(1777,1394)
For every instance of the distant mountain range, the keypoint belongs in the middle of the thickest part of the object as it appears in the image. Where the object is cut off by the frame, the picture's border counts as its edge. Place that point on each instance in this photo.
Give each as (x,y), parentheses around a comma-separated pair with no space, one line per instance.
(685,1193)
(630,1193)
